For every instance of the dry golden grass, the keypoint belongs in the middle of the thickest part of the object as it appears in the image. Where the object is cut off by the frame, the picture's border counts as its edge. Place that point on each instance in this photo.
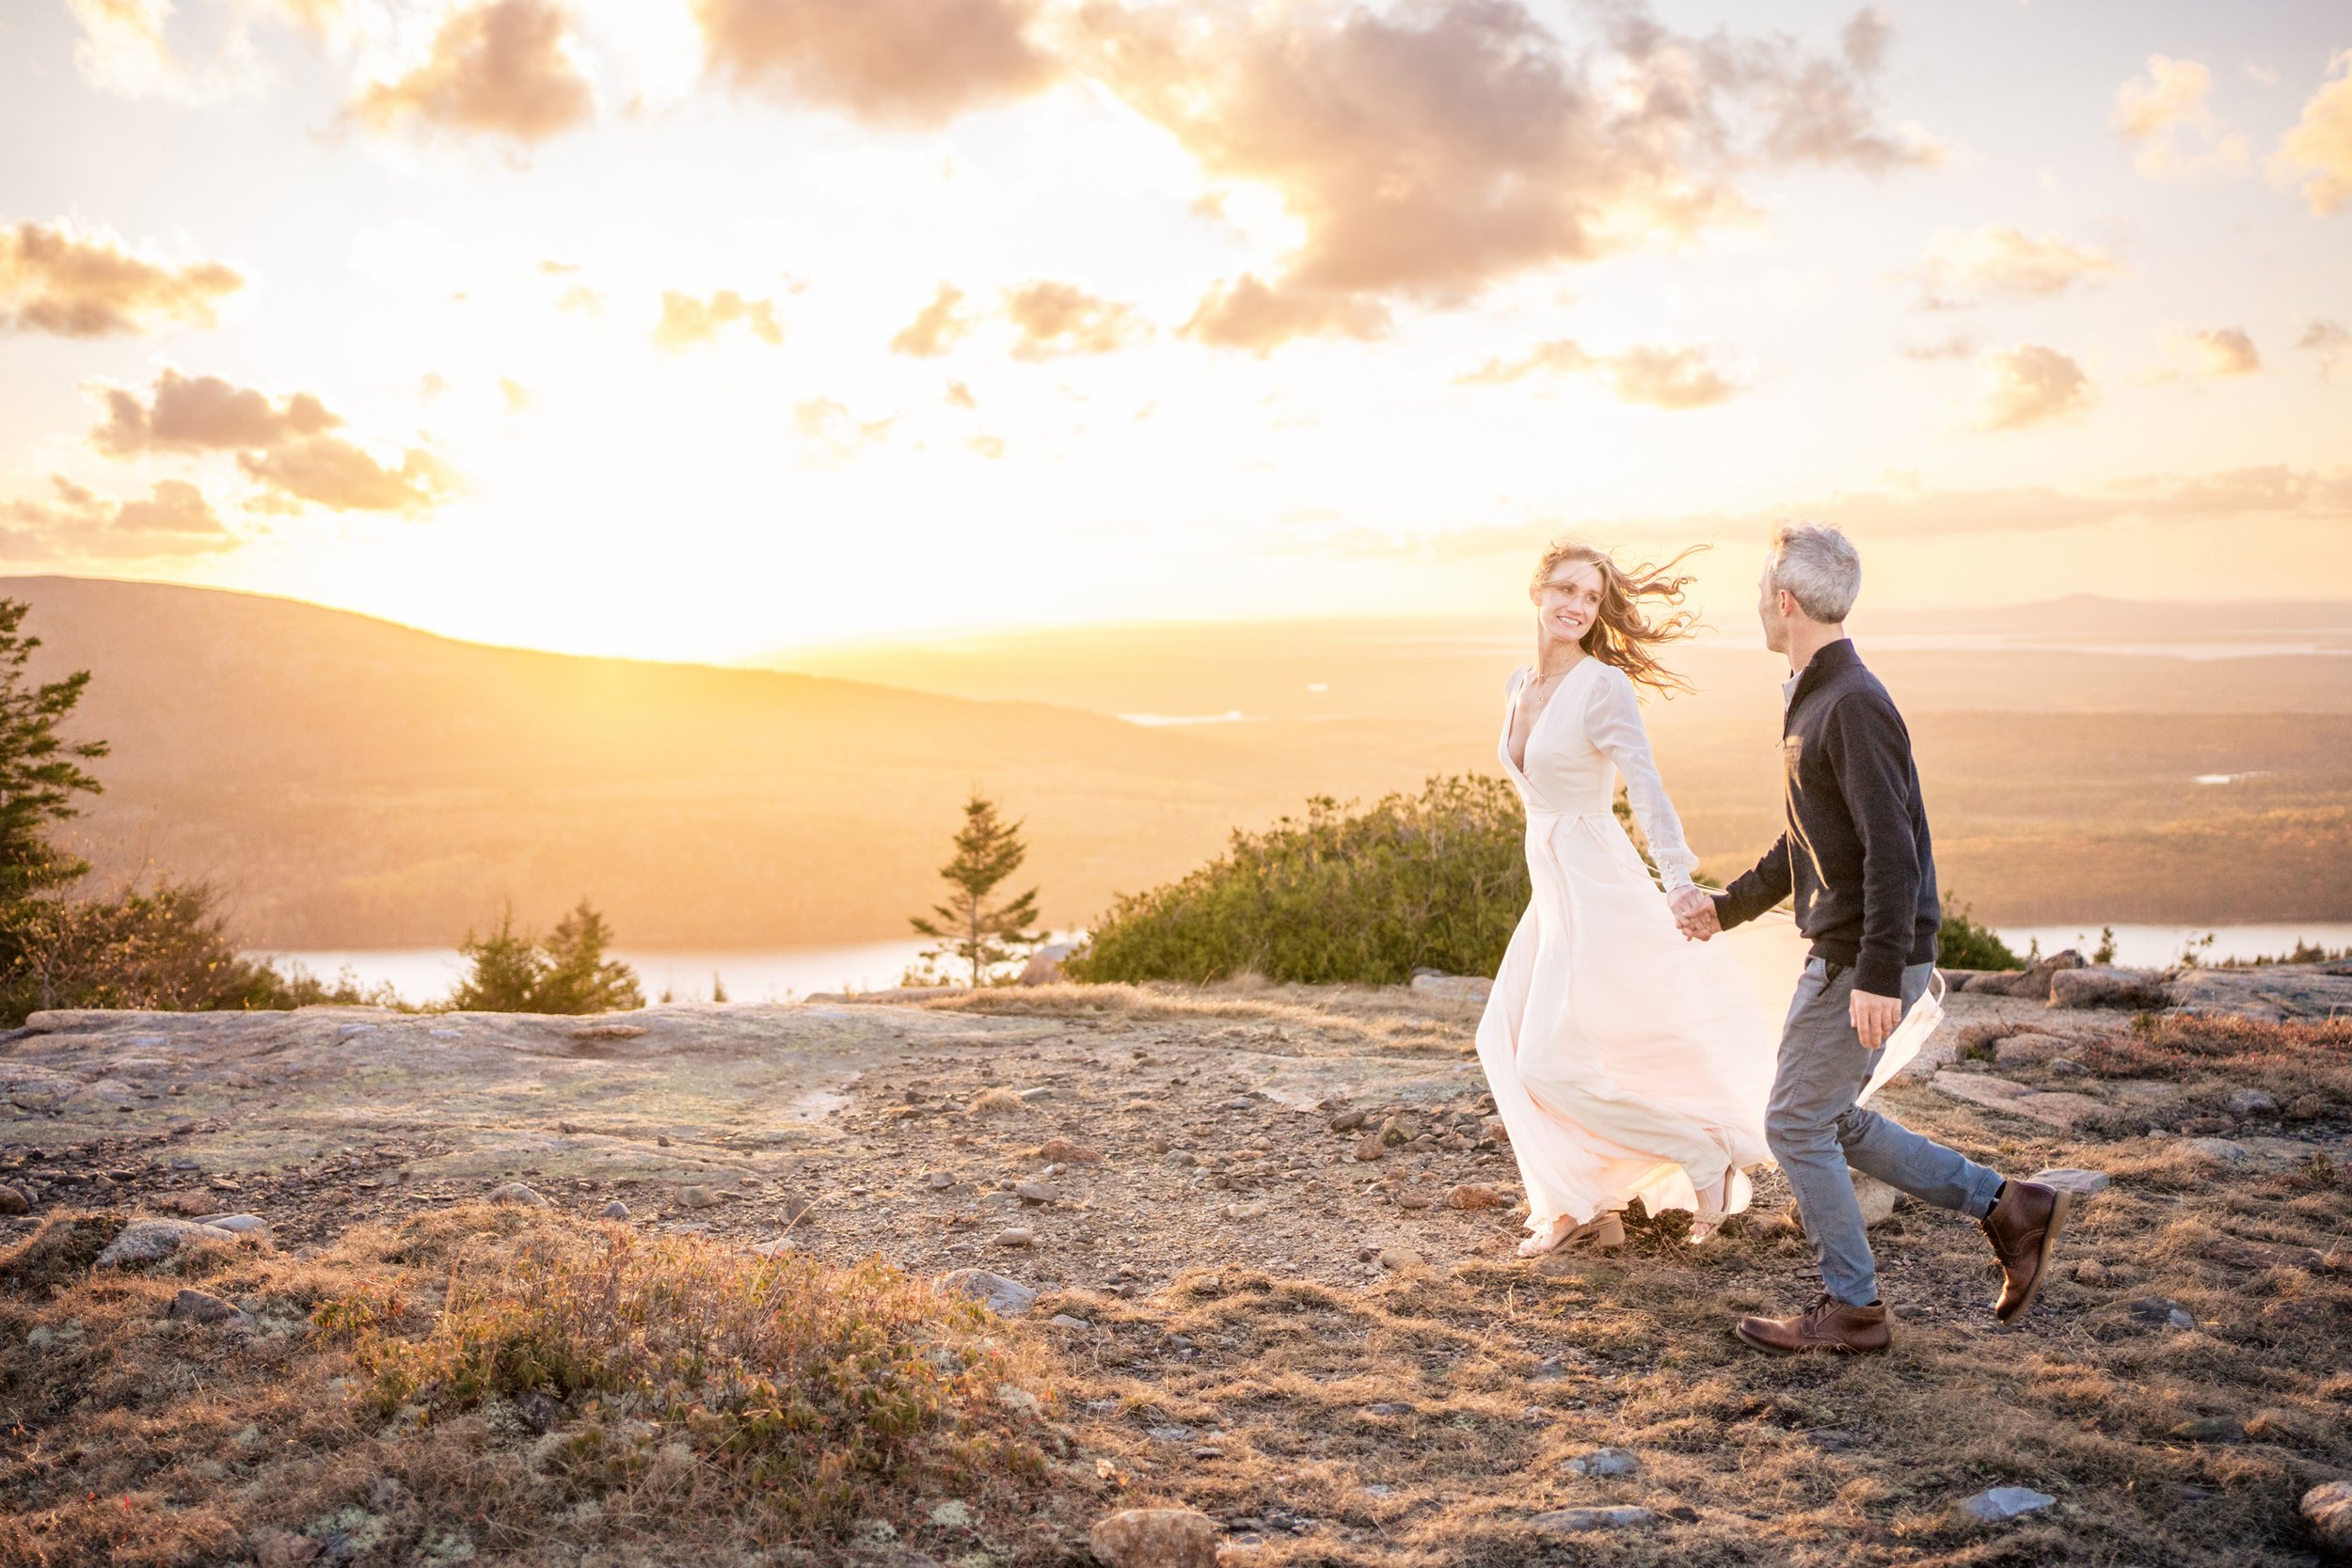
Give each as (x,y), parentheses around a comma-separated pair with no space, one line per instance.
(2083,1403)
(526,1388)
(710,1407)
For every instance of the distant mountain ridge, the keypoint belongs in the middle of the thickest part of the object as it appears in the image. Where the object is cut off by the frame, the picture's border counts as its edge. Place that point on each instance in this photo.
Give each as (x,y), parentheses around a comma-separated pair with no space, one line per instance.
(356,783)
(353,784)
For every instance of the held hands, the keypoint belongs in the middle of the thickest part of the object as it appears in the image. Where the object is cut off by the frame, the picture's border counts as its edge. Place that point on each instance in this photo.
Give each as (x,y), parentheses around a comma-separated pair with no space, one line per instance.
(1695,912)
(1874,1017)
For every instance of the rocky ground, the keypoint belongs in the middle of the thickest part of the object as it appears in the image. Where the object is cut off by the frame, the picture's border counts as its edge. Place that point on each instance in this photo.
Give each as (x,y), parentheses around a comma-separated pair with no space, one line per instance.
(1268,1236)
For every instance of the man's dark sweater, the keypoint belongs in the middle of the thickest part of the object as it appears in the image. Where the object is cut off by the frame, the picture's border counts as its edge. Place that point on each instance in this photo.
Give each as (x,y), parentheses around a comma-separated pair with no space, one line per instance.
(1857,838)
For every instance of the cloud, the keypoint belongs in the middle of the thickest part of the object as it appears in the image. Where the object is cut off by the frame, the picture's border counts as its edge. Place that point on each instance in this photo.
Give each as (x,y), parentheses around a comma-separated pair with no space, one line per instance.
(2316,495)
(61,280)
(961,395)
(1431,150)
(580,297)
(2316,154)
(329,471)
(2031,385)
(286,445)
(1671,378)
(2331,342)
(1999,259)
(686,321)
(936,328)
(122,49)
(1056,319)
(173,519)
(518,395)
(897,62)
(504,68)
(2155,113)
(1253,315)
(203,413)
(830,436)
(2174,94)
(1954,347)
(2224,351)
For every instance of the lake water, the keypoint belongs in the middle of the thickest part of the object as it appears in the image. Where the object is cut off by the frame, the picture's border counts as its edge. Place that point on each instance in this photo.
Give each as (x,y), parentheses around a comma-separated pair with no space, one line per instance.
(2156,946)
(779,974)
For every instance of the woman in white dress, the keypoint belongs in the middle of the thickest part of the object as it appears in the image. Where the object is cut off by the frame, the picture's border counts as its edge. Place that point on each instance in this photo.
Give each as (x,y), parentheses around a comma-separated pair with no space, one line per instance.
(1626,1061)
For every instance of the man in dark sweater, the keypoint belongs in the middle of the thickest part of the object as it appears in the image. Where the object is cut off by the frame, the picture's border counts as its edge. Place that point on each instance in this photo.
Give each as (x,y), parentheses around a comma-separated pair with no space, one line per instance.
(1855,855)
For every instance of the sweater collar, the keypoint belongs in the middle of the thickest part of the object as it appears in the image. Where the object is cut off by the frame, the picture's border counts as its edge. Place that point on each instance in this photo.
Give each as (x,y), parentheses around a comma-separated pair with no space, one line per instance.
(1827,661)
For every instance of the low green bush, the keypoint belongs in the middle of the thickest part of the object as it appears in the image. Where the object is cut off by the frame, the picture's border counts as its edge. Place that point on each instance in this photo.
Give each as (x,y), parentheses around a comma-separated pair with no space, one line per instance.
(1432,881)
(161,949)
(1962,943)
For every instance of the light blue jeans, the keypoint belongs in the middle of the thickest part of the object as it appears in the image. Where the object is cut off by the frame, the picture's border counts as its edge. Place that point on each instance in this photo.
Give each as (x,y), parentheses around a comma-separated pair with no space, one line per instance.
(1816,1131)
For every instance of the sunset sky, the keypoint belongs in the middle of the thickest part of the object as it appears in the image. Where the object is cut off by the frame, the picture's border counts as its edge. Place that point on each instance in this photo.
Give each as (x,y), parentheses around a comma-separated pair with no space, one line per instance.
(694,328)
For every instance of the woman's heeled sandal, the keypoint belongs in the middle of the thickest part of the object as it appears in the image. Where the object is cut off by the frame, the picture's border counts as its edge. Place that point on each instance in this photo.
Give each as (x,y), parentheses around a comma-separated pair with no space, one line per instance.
(1706,1222)
(1603,1231)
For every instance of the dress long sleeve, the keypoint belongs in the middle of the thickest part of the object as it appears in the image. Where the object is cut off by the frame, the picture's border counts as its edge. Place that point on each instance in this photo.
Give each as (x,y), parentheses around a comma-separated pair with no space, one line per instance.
(1612,718)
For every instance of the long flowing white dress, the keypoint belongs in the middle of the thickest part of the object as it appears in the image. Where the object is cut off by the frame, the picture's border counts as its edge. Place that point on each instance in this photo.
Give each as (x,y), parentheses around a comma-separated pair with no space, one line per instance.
(1626,1060)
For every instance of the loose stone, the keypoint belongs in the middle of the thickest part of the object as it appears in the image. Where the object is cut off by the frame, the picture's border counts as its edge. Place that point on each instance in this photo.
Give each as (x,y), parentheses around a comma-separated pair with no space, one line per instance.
(1999,1504)
(146,1241)
(2161,1312)
(1007,1298)
(200,1308)
(2327,1509)
(1157,1538)
(1579,1521)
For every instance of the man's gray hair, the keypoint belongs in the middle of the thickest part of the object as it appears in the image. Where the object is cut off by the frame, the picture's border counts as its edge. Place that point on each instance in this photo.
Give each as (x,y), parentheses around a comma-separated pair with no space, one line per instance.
(1819,568)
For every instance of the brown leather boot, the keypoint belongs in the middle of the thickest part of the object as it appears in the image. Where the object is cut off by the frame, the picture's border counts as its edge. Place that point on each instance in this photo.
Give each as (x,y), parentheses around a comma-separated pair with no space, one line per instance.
(1828,1324)
(2024,1226)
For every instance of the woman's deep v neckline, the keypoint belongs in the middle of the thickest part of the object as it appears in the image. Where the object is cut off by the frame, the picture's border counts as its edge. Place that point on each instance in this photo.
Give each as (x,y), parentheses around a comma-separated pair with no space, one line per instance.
(1511,720)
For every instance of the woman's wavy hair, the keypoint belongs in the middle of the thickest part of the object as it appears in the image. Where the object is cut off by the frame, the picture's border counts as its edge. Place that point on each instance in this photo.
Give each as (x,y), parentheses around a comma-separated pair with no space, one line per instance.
(1624,634)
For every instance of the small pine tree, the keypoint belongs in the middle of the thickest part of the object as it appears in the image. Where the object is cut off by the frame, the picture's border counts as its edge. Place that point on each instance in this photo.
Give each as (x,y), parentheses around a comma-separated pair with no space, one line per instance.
(718,988)
(506,970)
(566,973)
(968,927)
(579,977)
(40,774)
